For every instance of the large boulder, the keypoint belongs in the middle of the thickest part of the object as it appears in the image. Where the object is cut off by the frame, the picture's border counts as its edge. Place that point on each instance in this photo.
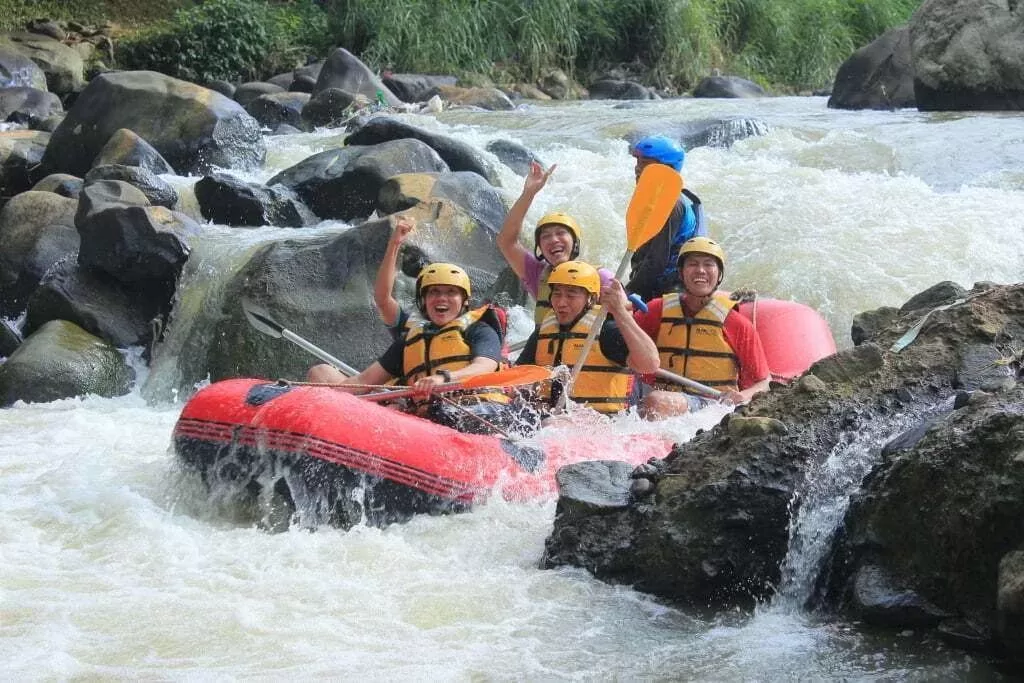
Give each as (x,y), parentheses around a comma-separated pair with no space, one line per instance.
(192,127)
(28,106)
(515,156)
(344,183)
(64,184)
(330,108)
(228,200)
(158,191)
(878,76)
(36,230)
(345,71)
(126,148)
(490,99)
(63,66)
(116,313)
(61,360)
(17,70)
(20,154)
(416,87)
(611,89)
(274,109)
(727,86)
(457,154)
(474,198)
(967,55)
(9,339)
(247,92)
(714,524)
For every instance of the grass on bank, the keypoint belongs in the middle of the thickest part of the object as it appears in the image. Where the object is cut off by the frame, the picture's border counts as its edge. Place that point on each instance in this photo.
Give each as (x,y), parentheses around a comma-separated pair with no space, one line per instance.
(672,44)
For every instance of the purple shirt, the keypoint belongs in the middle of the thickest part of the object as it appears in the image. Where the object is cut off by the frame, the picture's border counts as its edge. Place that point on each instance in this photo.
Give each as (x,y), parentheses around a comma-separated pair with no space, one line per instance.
(535,266)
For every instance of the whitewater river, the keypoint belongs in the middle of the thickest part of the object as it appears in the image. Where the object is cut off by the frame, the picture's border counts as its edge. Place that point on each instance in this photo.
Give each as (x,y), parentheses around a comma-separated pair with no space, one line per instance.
(112,566)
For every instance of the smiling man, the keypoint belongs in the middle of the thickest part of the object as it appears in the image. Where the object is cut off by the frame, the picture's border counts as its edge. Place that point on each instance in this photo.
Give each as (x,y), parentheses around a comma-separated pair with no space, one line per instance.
(699,336)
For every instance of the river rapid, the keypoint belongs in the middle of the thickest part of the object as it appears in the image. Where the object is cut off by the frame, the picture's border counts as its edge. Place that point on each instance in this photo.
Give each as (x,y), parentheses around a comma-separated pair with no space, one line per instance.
(112,566)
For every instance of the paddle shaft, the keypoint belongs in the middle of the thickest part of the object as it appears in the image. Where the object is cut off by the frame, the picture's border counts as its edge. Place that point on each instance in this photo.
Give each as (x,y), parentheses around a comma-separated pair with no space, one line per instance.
(687,382)
(379,397)
(345,369)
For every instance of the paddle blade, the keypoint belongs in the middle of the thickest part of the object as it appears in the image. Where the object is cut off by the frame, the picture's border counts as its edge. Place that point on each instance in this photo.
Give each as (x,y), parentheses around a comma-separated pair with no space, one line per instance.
(513,377)
(261,320)
(653,200)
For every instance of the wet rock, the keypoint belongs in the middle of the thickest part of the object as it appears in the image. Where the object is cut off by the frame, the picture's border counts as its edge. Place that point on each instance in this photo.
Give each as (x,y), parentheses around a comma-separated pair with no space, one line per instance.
(416,87)
(156,190)
(20,154)
(849,366)
(458,155)
(810,384)
(328,108)
(36,230)
(28,106)
(490,99)
(345,71)
(983,366)
(593,487)
(877,600)
(227,200)
(747,427)
(60,183)
(63,66)
(193,128)
(100,305)
(867,325)
(610,89)
(1010,605)
(10,340)
(17,70)
(102,194)
(641,488)
(277,108)
(878,76)
(247,92)
(283,80)
(476,199)
(557,85)
(966,55)
(61,360)
(727,86)
(125,148)
(937,295)
(514,155)
(908,439)
(223,87)
(344,183)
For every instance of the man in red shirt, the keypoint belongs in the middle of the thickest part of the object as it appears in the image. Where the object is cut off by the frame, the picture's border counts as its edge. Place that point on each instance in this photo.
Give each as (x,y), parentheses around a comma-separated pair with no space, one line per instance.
(699,336)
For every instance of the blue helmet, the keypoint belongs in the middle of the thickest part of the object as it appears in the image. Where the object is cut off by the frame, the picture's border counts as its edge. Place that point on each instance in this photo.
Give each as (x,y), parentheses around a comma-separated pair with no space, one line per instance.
(662,149)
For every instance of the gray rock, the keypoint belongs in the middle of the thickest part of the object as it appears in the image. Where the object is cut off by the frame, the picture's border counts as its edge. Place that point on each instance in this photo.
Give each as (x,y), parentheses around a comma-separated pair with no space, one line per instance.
(514,155)
(727,86)
(328,108)
(937,295)
(878,601)
(28,106)
(756,427)
(277,108)
(63,66)
(227,200)
(878,76)
(20,154)
(609,89)
(1010,605)
(344,183)
(156,190)
(593,487)
(983,366)
(17,70)
(10,340)
(62,184)
(416,87)
(61,360)
(967,55)
(247,92)
(489,99)
(192,127)
(458,155)
(125,148)
(868,324)
(476,199)
(850,365)
(345,71)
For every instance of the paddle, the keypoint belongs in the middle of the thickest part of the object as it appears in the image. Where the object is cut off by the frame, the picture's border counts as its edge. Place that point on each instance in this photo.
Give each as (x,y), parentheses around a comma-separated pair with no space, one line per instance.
(513,377)
(656,193)
(262,322)
(687,382)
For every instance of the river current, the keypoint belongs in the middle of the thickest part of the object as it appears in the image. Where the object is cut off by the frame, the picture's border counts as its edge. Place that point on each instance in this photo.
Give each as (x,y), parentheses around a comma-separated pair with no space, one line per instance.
(113,567)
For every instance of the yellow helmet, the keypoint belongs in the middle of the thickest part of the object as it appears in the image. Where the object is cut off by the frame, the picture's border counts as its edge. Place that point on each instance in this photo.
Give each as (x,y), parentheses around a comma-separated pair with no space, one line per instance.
(703,245)
(442,274)
(577,274)
(566,221)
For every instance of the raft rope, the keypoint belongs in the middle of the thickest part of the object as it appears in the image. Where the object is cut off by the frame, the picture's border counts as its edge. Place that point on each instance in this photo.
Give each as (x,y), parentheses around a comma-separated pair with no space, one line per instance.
(487,423)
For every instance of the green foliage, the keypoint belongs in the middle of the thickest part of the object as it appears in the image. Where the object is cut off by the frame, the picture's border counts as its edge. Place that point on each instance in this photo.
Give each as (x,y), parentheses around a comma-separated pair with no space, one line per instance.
(794,43)
(229,40)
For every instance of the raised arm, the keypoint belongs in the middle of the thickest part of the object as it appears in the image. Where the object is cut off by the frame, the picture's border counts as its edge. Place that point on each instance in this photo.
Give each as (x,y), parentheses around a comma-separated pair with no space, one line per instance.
(386,303)
(643,354)
(508,238)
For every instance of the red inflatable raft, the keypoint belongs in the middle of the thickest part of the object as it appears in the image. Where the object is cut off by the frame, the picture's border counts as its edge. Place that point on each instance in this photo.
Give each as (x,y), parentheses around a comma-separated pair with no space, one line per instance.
(341,460)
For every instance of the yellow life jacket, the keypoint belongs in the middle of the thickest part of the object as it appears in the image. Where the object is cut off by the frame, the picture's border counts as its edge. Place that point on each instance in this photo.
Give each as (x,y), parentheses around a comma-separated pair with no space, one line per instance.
(602,384)
(429,349)
(695,347)
(543,297)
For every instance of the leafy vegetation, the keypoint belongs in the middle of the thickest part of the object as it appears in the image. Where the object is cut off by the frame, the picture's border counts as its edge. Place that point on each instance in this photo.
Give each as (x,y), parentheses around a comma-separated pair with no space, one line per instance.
(785,44)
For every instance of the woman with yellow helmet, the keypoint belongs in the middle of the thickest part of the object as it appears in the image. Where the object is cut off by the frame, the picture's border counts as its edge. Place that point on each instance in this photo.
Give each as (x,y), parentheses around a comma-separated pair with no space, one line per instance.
(605,383)
(556,239)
